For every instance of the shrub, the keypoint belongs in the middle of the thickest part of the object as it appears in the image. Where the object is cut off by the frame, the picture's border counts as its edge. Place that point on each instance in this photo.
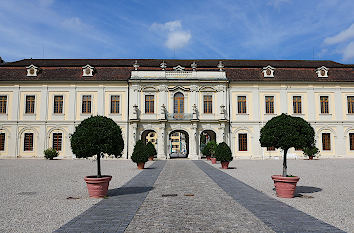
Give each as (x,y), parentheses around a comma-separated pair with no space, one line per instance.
(311,151)
(140,153)
(209,149)
(50,153)
(286,131)
(223,153)
(96,135)
(151,151)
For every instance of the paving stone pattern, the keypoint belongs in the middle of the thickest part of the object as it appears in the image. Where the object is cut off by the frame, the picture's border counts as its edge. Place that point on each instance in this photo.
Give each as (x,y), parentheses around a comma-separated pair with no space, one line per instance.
(184,199)
(277,215)
(114,213)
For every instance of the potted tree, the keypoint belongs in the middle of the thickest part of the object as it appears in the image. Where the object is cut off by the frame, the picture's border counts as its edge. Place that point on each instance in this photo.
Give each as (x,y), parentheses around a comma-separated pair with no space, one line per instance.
(284,132)
(97,135)
(224,155)
(50,153)
(140,154)
(209,150)
(150,148)
(311,151)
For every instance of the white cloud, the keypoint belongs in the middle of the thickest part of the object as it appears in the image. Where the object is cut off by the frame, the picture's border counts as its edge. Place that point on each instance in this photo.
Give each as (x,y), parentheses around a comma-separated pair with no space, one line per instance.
(176,37)
(342,36)
(348,52)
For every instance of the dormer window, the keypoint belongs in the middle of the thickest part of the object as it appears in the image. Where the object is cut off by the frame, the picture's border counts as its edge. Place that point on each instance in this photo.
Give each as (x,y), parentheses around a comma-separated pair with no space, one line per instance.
(87,71)
(322,72)
(268,72)
(32,70)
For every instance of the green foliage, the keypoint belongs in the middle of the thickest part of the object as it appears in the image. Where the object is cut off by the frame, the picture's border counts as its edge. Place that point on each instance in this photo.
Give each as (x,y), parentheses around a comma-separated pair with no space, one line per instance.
(140,153)
(151,151)
(209,149)
(50,153)
(285,131)
(97,134)
(311,151)
(223,153)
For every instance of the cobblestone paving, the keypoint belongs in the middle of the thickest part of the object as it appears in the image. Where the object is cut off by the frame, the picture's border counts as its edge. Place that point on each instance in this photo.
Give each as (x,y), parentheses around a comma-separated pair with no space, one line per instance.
(196,204)
(114,213)
(277,215)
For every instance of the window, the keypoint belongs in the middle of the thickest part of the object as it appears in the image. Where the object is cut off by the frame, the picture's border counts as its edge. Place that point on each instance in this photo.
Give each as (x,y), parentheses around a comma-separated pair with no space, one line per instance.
(326,141)
(28,143)
(149,104)
(30,103)
(86,104)
(242,142)
(208,104)
(58,104)
(297,104)
(350,104)
(324,104)
(351,141)
(269,104)
(271,148)
(241,102)
(3,102)
(57,139)
(2,141)
(178,103)
(115,103)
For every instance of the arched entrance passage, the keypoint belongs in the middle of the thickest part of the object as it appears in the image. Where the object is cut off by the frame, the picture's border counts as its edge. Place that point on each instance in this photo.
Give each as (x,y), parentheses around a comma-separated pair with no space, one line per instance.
(149,136)
(205,137)
(178,144)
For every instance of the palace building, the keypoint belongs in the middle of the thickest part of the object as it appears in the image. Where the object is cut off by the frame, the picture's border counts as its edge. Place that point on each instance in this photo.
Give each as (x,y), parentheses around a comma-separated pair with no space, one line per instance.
(178,105)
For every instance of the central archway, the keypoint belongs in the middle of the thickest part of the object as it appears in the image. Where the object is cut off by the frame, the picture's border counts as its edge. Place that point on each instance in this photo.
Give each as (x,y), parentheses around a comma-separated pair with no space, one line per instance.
(178,144)
(205,137)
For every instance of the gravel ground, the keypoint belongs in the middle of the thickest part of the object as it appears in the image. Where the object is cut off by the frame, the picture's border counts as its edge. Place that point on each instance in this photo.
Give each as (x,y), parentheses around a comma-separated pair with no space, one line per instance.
(34,192)
(325,189)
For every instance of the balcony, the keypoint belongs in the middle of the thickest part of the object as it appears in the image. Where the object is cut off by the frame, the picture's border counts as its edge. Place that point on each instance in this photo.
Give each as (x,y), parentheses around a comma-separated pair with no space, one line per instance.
(179,116)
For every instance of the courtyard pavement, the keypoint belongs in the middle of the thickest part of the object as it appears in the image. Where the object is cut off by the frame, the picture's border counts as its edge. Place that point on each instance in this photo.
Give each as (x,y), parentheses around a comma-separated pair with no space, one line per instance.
(176,196)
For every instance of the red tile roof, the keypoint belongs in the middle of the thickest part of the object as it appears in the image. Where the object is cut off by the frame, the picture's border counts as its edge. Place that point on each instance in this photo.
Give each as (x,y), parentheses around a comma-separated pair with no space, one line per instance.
(119,69)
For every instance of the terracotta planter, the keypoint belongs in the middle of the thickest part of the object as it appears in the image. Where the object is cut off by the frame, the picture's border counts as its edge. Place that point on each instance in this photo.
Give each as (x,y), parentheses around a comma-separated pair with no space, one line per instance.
(97,187)
(140,165)
(310,157)
(213,160)
(208,157)
(225,165)
(285,186)
(151,158)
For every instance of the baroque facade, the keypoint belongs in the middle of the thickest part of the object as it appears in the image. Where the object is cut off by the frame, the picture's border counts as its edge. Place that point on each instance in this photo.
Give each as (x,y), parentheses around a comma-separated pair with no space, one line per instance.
(178,105)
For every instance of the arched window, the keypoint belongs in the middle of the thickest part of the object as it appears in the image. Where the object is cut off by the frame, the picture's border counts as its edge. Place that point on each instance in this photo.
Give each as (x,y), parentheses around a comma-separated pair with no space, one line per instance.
(178,103)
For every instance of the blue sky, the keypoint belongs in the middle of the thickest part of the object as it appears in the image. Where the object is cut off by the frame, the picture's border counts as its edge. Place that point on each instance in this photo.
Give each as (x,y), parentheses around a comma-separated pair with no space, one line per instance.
(191,29)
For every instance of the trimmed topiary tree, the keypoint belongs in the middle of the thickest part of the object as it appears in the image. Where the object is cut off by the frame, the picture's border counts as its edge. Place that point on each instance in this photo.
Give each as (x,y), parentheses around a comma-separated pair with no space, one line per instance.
(96,135)
(50,153)
(150,148)
(311,151)
(223,153)
(209,149)
(286,131)
(140,153)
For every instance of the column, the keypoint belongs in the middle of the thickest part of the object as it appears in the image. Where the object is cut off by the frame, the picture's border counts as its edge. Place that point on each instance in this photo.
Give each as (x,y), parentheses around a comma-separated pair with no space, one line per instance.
(194,142)
(100,101)
(133,137)
(161,142)
(311,105)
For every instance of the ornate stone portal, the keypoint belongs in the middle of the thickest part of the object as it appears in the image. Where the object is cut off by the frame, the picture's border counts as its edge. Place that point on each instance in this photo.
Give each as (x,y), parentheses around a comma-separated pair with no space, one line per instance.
(179,106)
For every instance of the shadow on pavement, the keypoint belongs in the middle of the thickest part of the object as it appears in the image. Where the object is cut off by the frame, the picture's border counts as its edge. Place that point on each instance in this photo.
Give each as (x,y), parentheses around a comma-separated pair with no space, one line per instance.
(128,190)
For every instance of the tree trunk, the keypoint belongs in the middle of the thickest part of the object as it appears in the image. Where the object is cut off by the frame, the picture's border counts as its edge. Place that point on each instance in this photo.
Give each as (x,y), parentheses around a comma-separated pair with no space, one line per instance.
(285,167)
(99,166)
